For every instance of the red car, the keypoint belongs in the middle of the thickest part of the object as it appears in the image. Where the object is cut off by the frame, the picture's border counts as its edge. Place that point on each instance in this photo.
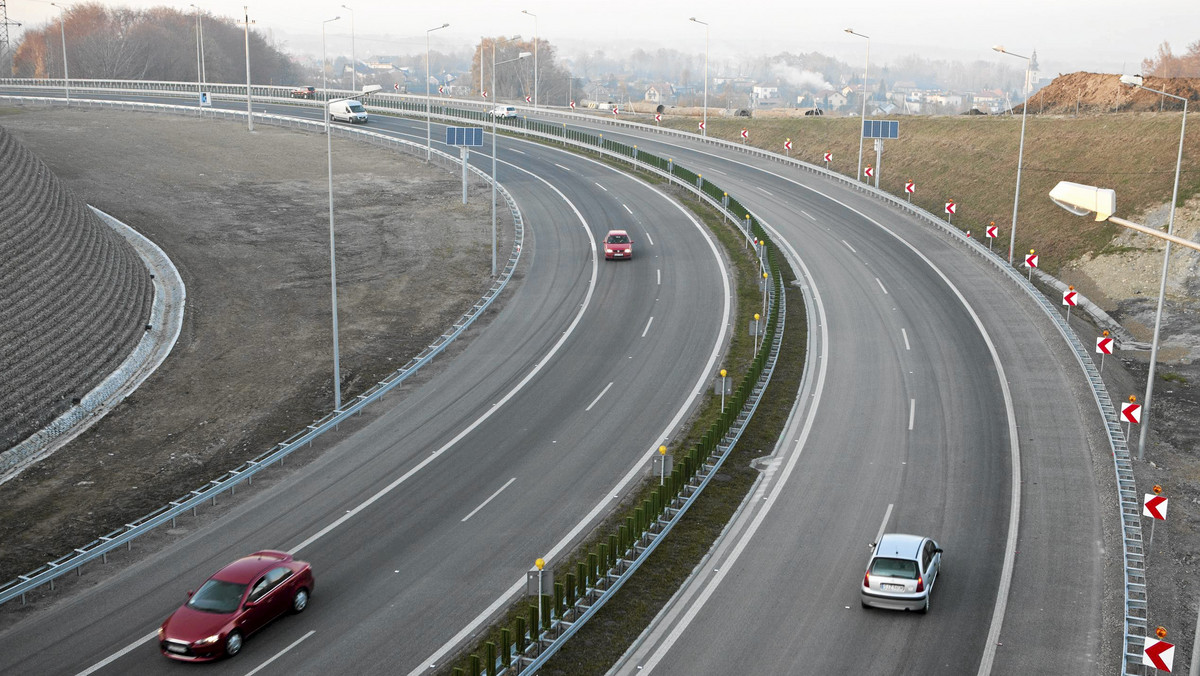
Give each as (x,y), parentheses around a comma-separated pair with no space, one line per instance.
(617,245)
(240,599)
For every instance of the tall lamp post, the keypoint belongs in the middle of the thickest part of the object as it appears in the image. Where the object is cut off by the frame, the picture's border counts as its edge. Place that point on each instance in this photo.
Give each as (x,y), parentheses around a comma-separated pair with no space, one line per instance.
(337,376)
(520,56)
(866,67)
(62,21)
(200,75)
(353,55)
(535,55)
(249,111)
(1136,81)
(428,100)
(1012,235)
(704,114)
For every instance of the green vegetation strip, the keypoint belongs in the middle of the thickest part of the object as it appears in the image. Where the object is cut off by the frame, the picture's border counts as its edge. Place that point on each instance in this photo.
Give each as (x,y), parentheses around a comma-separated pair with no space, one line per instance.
(602,640)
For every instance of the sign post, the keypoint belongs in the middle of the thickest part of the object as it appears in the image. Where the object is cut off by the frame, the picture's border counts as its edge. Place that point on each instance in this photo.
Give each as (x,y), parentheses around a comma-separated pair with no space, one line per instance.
(951,207)
(990,231)
(464,137)
(1031,262)
(1131,413)
(1104,346)
(909,189)
(787,147)
(828,159)
(1155,507)
(1070,300)
(879,130)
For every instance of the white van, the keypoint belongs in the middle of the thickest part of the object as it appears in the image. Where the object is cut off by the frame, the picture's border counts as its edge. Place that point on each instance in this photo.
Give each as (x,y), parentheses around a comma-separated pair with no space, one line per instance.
(348,110)
(502,112)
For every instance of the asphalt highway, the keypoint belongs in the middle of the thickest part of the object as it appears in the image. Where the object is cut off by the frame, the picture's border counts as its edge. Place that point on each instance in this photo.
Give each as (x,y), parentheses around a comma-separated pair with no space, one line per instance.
(419,520)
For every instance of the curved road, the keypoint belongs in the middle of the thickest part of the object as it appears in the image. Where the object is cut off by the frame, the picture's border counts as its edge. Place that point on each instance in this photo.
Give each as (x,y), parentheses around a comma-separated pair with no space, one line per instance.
(421,518)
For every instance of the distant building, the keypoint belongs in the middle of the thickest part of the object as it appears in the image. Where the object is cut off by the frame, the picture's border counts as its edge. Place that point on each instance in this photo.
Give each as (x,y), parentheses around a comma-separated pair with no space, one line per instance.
(762,92)
(659,92)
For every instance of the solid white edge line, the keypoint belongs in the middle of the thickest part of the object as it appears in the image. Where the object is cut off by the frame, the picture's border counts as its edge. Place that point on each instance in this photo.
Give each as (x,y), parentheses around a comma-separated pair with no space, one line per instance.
(479,421)
(881,285)
(598,396)
(647,329)
(905,334)
(281,653)
(887,514)
(638,467)
(498,491)
(696,605)
(848,245)
(658,273)
(912,413)
(118,655)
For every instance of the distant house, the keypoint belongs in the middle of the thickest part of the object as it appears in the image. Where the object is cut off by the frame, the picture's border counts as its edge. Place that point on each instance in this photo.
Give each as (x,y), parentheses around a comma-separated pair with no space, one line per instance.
(594,91)
(835,100)
(761,92)
(659,92)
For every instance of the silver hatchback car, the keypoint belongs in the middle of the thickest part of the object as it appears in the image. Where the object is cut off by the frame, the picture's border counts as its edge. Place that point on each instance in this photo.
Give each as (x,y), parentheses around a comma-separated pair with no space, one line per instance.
(901,572)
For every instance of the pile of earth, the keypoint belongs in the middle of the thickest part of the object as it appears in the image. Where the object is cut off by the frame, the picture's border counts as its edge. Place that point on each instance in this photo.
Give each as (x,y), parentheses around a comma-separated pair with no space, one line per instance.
(1101,92)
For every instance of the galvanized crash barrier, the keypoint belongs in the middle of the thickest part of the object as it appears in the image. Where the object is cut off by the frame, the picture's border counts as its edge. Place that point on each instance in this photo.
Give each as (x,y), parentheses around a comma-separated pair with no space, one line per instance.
(102,546)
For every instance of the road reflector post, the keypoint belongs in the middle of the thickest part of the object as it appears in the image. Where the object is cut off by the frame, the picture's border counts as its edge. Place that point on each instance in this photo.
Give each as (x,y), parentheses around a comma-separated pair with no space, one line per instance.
(581,578)
(476,667)
(612,550)
(546,611)
(533,623)
(676,480)
(602,548)
(572,585)
(639,523)
(490,652)
(506,647)
(458,671)
(520,635)
(627,536)
(560,599)
(593,569)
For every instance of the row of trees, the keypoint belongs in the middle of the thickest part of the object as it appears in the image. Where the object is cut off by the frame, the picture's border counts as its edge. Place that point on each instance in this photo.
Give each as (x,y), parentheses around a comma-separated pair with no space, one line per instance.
(152,44)
(515,80)
(1166,64)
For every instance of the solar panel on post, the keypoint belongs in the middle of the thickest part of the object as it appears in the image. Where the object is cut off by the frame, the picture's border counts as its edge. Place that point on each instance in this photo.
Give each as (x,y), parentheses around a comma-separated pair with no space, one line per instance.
(881,129)
(464,136)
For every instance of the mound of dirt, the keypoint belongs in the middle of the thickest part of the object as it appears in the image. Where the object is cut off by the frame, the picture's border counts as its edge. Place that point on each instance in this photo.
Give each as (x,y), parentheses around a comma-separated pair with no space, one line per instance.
(1101,92)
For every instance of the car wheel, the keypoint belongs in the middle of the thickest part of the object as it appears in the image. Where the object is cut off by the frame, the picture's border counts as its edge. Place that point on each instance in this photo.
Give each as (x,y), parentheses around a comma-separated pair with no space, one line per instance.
(865,604)
(233,643)
(925,608)
(300,600)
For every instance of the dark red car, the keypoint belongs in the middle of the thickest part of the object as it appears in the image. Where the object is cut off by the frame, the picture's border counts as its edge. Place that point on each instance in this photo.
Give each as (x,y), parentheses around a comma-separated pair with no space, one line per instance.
(617,244)
(240,599)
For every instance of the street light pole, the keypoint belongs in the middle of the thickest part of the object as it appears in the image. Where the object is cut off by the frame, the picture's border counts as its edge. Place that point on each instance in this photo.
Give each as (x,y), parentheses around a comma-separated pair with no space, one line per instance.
(535,55)
(1162,284)
(249,110)
(520,56)
(704,114)
(62,21)
(337,376)
(353,55)
(428,100)
(866,68)
(200,74)
(1012,235)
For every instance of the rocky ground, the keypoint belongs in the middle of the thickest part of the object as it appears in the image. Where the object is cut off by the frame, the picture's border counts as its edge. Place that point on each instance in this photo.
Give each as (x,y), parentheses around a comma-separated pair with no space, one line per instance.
(244,216)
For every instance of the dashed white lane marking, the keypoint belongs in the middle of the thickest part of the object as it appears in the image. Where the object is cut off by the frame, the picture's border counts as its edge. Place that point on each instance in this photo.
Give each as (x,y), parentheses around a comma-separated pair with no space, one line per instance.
(589,406)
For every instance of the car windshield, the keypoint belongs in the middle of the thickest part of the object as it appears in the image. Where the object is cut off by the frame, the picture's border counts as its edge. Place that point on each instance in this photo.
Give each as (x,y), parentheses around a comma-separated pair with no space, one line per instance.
(618,239)
(905,568)
(217,597)
(358,108)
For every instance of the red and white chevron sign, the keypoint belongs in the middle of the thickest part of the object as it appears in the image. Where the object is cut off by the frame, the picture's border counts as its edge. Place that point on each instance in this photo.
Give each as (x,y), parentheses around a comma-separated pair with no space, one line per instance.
(1158,654)
(1104,345)
(951,207)
(869,172)
(657,117)
(1070,297)
(1031,261)
(396,86)
(787,145)
(991,231)
(1132,413)
(572,104)
(485,94)
(828,157)
(615,111)
(441,89)
(528,99)
(910,187)
(1155,506)
(745,133)
(701,125)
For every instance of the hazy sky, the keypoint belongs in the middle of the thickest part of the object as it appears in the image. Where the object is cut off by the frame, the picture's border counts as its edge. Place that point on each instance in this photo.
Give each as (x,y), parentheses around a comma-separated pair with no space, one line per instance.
(1069,35)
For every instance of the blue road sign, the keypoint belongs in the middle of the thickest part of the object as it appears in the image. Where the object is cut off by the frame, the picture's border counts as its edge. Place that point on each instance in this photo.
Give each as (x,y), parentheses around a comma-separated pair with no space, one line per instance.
(464,136)
(881,129)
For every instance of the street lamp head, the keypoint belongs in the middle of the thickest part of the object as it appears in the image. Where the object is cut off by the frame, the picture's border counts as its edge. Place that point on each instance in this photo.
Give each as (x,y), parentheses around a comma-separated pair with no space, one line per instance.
(1132,80)
(525,11)
(371,89)
(1082,200)
(333,19)
(524,55)
(999,48)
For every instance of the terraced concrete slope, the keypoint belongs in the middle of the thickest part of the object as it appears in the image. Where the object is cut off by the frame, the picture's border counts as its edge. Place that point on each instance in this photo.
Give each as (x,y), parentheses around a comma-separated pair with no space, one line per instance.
(74,296)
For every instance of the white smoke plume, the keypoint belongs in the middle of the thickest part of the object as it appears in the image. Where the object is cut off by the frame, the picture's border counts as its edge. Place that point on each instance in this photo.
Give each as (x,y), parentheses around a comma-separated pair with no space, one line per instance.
(802,79)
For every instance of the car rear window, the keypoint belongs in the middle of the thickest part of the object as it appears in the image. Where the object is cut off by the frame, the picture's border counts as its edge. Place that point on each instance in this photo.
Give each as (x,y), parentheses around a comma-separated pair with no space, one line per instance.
(217,596)
(903,568)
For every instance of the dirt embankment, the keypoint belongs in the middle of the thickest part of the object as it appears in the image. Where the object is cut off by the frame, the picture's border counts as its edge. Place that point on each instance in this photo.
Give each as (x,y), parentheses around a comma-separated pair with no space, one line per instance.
(1101,92)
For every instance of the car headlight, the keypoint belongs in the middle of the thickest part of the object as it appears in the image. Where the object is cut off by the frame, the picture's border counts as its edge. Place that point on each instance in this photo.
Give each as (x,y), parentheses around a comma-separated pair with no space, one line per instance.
(162,633)
(607,250)
(209,640)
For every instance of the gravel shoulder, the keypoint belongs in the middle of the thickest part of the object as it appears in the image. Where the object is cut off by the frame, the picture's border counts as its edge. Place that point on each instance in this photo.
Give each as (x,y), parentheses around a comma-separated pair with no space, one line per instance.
(244,216)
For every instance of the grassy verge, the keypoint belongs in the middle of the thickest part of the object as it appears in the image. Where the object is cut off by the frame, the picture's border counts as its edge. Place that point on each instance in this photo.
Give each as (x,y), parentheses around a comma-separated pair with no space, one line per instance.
(605,638)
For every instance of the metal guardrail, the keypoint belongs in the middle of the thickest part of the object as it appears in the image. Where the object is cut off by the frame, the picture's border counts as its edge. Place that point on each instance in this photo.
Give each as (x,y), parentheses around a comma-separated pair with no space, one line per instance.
(100,548)
(1133,554)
